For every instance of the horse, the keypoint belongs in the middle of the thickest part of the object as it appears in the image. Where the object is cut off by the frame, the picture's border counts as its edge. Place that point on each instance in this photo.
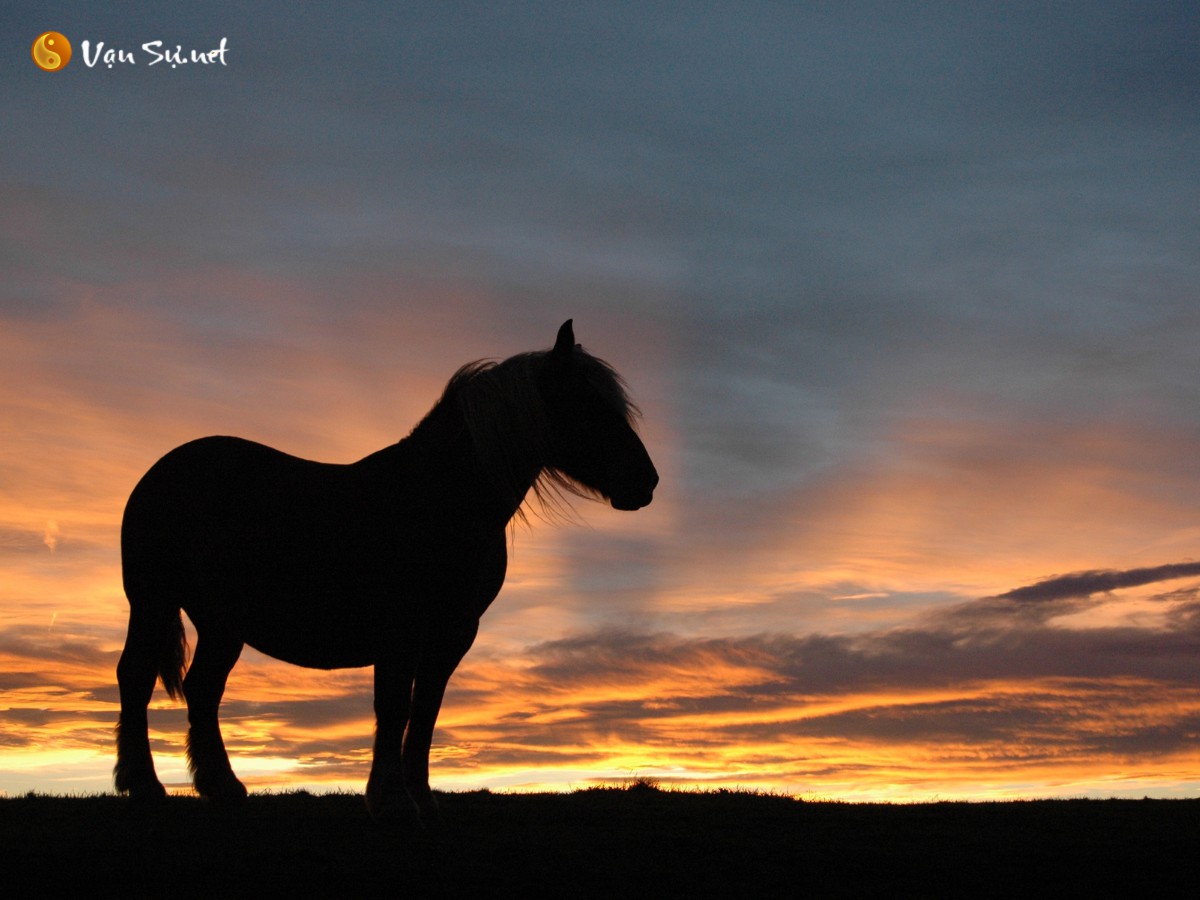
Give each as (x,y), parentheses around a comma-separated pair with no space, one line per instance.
(388,561)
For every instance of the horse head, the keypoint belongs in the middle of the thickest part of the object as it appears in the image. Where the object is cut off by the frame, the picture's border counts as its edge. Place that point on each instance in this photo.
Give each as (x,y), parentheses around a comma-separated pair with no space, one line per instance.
(591,438)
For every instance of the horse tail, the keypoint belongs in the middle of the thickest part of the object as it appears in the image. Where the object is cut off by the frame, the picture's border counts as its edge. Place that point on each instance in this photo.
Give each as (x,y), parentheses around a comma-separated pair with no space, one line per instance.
(174,660)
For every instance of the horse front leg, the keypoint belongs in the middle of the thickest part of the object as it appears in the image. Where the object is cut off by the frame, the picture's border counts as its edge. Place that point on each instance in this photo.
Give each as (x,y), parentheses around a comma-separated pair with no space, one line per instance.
(386,795)
(429,687)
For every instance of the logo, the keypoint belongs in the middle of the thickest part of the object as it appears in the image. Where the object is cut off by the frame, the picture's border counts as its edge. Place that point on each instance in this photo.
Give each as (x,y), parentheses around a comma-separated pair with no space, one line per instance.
(51,51)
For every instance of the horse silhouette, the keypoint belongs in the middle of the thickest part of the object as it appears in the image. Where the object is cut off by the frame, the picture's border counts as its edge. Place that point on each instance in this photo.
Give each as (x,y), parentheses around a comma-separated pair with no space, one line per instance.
(386,562)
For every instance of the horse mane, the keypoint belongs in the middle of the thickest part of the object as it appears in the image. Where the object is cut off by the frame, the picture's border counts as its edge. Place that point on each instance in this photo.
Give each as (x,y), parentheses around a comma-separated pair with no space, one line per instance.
(503,413)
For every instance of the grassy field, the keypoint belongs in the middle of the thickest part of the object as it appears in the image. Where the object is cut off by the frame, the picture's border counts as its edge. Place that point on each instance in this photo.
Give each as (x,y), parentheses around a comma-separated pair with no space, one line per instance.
(623,843)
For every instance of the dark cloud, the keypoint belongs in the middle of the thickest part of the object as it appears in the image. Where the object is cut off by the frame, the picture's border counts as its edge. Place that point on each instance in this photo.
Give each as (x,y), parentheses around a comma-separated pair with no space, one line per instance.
(1084,584)
(309,716)
(973,642)
(1042,690)
(42,645)
(1025,690)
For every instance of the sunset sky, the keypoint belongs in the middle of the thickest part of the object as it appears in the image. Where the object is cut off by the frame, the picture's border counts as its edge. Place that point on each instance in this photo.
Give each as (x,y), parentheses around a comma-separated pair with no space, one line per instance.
(907,294)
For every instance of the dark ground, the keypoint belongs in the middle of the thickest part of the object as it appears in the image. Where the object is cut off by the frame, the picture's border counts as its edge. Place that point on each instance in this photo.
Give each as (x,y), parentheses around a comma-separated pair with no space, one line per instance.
(622,843)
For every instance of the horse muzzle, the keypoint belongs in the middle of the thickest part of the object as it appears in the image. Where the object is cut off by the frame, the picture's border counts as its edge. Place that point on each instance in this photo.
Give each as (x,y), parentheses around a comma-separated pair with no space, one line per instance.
(635,497)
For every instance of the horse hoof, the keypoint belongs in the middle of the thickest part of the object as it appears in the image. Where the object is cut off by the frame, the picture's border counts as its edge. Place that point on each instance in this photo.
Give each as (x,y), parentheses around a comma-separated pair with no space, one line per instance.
(392,809)
(223,793)
(150,794)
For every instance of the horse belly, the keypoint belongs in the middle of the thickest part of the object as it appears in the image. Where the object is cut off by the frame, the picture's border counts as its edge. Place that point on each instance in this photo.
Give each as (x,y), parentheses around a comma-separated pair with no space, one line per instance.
(344,652)
(308,599)
(319,631)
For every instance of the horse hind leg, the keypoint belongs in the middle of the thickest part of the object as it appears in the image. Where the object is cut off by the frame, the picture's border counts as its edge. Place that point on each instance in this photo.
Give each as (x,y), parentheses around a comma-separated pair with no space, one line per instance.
(216,653)
(154,646)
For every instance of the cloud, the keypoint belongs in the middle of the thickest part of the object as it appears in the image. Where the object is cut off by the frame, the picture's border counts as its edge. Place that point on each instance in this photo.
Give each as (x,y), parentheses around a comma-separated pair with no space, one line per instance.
(981,681)
(1084,584)
(988,689)
(54,648)
(976,641)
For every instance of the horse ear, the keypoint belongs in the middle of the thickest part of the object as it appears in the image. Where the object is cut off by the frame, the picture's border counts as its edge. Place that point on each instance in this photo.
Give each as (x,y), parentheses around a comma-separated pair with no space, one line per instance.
(564,344)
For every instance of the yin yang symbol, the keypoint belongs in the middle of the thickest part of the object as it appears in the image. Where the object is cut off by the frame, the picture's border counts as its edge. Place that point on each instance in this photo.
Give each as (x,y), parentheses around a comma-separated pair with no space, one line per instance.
(51,51)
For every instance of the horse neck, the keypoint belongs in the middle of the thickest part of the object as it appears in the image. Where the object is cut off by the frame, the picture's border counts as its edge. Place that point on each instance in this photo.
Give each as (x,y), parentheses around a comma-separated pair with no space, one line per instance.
(441,453)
